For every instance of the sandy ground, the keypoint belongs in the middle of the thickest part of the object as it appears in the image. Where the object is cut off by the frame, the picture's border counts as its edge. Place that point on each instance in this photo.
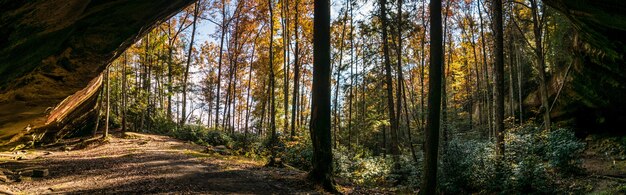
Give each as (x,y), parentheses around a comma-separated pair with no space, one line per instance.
(144,164)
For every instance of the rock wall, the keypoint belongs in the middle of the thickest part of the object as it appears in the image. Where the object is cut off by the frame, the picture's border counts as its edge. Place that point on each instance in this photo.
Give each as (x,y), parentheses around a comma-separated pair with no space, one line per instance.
(51,49)
(594,97)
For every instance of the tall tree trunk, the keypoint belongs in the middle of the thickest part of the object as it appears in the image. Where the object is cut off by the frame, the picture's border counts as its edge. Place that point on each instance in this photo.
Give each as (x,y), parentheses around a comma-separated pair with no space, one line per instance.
(183,120)
(543,89)
(274,136)
(399,71)
(219,65)
(389,81)
(286,43)
(338,83)
(170,83)
(264,106)
(519,87)
(444,92)
(479,90)
(429,185)
(499,75)
(108,107)
(423,66)
(350,97)
(322,171)
(408,123)
(98,110)
(511,79)
(250,85)
(487,93)
(296,74)
(124,91)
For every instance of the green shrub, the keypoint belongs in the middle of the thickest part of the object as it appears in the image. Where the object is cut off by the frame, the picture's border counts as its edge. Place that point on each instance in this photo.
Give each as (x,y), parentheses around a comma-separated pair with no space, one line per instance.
(361,167)
(217,138)
(299,153)
(564,150)
(533,157)
(459,160)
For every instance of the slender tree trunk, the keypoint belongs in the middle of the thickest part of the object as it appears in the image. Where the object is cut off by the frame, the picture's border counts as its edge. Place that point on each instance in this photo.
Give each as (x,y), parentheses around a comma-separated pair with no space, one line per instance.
(350,97)
(124,91)
(170,83)
(219,65)
(511,79)
(423,66)
(322,170)
(183,120)
(338,83)
(264,107)
(98,109)
(250,84)
(429,185)
(519,88)
(487,93)
(274,136)
(479,90)
(408,124)
(399,71)
(444,91)
(543,89)
(286,43)
(296,74)
(389,82)
(108,99)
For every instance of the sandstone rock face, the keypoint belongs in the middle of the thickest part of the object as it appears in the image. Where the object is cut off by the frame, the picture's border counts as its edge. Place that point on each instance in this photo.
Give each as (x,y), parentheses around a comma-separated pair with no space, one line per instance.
(594,98)
(52,49)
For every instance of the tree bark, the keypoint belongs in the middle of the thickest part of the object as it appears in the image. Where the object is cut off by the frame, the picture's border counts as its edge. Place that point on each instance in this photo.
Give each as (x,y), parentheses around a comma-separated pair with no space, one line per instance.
(543,89)
(499,76)
(124,93)
(296,74)
(219,65)
(321,172)
(487,93)
(108,100)
(183,119)
(429,185)
(394,150)
(337,109)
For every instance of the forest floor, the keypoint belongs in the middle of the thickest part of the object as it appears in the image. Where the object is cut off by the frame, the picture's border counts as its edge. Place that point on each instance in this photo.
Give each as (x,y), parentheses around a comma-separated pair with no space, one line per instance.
(141,163)
(604,167)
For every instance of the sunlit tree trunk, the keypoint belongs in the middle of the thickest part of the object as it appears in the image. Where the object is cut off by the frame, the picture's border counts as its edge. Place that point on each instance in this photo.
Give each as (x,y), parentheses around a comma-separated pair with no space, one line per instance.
(296,74)
(219,65)
(286,43)
(124,91)
(183,119)
(274,136)
(108,103)
(337,109)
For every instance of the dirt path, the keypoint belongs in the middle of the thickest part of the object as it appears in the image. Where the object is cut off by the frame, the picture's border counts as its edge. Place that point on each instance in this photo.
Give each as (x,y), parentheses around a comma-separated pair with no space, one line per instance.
(145,164)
